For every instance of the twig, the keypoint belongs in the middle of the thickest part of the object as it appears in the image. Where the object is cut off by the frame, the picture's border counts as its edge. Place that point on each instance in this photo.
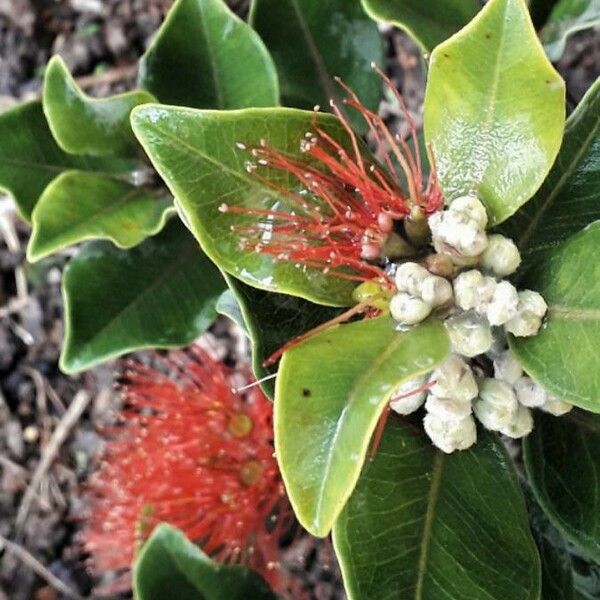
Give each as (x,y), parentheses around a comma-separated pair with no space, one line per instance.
(40,400)
(34,564)
(14,305)
(110,76)
(68,420)
(7,227)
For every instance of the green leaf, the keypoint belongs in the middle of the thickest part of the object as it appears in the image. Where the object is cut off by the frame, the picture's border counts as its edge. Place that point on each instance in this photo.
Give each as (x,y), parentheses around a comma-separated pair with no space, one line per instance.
(428,23)
(80,206)
(330,393)
(312,41)
(30,158)
(425,525)
(228,306)
(84,125)
(161,293)
(562,356)
(204,56)
(568,199)
(562,458)
(557,575)
(495,134)
(272,320)
(195,153)
(170,566)
(567,17)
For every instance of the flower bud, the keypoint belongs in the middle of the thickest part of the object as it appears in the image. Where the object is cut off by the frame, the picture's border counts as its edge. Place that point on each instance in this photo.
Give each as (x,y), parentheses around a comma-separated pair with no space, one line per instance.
(556,407)
(455,234)
(532,302)
(503,305)
(408,310)
(529,393)
(465,289)
(501,257)
(450,435)
(410,277)
(499,343)
(407,401)
(525,324)
(521,425)
(507,368)
(472,208)
(532,307)
(485,294)
(447,408)
(454,379)
(497,404)
(436,291)
(470,335)
(395,246)
(440,264)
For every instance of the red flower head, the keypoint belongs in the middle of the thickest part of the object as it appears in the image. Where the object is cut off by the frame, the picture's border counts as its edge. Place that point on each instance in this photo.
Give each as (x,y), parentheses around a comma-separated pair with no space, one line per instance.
(347,204)
(191,452)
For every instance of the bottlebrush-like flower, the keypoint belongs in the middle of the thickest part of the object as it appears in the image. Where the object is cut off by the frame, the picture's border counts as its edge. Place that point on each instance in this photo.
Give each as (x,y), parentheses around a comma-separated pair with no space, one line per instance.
(191,452)
(343,211)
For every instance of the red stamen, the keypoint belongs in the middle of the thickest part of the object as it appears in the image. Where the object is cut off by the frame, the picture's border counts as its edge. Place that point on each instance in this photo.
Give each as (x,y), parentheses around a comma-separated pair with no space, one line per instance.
(191,452)
(345,316)
(386,413)
(347,203)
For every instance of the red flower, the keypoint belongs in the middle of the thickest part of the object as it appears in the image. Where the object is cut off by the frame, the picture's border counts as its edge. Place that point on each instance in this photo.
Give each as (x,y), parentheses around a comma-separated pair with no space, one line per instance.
(191,452)
(347,204)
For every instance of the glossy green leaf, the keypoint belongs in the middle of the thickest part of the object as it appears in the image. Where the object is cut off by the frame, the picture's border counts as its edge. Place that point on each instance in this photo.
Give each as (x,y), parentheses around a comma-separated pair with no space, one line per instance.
(425,525)
(557,568)
(204,56)
(228,306)
(329,395)
(30,158)
(562,458)
(272,320)
(563,355)
(567,17)
(170,566)
(84,125)
(568,199)
(195,153)
(430,22)
(495,134)
(312,42)
(161,293)
(80,206)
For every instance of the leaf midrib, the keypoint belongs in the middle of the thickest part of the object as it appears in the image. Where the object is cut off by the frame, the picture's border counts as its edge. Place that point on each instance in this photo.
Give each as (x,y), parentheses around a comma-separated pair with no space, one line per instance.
(313,50)
(575,314)
(367,374)
(179,143)
(432,497)
(162,277)
(211,59)
(492,95)
(535,220)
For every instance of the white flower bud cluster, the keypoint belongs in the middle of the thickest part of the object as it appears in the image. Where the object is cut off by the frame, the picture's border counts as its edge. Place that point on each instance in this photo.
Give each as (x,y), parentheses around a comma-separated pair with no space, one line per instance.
(419,292)
(453,397)
(479,308)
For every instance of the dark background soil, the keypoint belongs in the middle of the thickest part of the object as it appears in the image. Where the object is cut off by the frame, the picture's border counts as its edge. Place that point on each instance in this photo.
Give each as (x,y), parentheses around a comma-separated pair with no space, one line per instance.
(101,41)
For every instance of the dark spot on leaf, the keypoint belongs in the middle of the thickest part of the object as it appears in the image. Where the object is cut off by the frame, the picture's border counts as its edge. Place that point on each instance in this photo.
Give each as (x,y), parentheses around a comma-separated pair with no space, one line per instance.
(446,55)
(306,392)
(488,35)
